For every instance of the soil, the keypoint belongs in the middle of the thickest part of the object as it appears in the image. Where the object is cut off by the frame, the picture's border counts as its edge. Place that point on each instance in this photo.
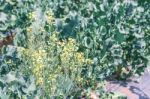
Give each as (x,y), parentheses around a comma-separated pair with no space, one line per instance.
(134,88)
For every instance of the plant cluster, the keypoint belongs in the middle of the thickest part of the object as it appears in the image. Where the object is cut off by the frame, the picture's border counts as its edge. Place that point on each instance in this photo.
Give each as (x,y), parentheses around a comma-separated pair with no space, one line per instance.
(67,48)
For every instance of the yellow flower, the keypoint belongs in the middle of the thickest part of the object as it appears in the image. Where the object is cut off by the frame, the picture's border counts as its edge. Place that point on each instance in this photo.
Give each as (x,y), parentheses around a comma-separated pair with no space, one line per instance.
(65,49)
(20,49)
(61,43)
(72,41)
(29,29)
(79,55)
(53,38)
(124,70)
(39,81)
(50,19)
(32,15)
(42,29)
(49,13)
(89,61)
(49,16)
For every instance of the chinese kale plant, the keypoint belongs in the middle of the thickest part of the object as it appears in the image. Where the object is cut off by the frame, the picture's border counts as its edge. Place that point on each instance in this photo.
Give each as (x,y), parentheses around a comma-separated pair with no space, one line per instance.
(63,48)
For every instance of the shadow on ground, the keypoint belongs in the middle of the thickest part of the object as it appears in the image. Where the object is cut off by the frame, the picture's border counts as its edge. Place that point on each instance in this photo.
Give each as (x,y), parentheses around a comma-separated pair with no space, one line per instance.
(132,88)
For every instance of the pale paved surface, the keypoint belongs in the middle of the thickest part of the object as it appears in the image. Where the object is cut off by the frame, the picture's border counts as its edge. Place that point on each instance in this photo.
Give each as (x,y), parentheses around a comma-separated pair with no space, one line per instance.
(132,89)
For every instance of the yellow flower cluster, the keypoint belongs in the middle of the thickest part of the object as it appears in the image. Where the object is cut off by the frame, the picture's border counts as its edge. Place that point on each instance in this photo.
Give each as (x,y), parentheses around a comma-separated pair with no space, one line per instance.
(124,70)
(21,49)
(60,44)
(42,29)
(69,52)
(79,57)
(46,70)
(38,58)
(29,29)
(32,15)
(71,41)
(49,16)
(53,38)
(89,61)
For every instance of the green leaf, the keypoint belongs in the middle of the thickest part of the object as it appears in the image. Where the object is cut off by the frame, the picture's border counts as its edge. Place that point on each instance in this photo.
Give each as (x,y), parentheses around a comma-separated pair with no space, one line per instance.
(119,37)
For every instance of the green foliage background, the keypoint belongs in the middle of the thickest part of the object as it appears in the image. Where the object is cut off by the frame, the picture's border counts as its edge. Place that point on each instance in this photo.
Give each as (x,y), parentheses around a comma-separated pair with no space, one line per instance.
(112,35)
